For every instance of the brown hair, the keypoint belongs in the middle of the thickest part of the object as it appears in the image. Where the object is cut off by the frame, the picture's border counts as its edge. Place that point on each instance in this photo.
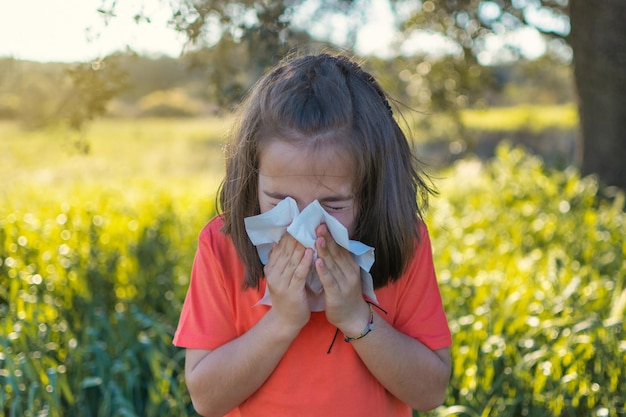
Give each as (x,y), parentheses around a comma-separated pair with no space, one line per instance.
(316,98)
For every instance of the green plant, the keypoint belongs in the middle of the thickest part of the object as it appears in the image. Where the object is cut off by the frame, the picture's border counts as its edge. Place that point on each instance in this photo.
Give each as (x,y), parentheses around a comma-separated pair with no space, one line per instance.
(92,286)
(532,266)
(170,103)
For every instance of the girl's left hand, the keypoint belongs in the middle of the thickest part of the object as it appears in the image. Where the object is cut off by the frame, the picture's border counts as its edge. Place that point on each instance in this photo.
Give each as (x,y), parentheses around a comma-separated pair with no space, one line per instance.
(341,277)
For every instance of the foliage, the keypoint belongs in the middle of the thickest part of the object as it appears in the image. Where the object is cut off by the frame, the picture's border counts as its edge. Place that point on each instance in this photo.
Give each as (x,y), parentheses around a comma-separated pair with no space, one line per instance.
(29,92)
(245,37)
(446,85)
(35,93)
(546,80)
(169,103)
(93,280)
(470,24)
(40,95)
(92,277)
(9,106)
(532,266)
(93,85)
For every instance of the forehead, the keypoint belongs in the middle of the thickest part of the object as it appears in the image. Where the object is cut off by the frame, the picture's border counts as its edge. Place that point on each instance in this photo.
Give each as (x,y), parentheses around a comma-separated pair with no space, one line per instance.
(279,158)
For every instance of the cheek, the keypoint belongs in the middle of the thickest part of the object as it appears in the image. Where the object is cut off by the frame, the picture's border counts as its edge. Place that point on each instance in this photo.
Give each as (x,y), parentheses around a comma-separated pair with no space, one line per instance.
(265,205)
(348,220)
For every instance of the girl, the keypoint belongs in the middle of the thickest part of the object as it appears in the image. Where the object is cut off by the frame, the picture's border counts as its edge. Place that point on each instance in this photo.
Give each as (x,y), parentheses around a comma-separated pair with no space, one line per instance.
(317,127)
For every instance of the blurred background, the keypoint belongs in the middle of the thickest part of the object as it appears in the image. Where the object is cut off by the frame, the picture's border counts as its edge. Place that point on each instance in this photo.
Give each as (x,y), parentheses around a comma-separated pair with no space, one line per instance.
(113,115)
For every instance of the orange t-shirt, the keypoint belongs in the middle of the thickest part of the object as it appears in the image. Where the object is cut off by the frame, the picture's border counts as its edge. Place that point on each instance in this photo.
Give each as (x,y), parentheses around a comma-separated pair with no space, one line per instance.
(307,381)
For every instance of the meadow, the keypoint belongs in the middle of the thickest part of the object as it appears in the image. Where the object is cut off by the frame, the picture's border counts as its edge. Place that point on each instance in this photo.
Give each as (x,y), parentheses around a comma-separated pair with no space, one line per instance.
(96,247)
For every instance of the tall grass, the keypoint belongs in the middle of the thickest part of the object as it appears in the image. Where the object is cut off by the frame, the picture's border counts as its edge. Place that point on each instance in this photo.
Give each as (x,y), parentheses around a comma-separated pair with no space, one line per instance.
(532,265)
(92,286)
(112,151)
(94,268)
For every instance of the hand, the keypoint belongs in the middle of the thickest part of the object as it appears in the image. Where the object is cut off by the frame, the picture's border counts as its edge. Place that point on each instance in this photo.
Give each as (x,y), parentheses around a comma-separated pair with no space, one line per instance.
(286,271)
(341,277)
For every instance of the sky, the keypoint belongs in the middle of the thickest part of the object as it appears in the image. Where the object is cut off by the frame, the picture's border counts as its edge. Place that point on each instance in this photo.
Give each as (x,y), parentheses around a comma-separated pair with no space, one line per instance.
(73,30)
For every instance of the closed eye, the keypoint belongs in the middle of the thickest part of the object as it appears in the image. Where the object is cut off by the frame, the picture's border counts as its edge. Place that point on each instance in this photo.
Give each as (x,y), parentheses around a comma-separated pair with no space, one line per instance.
(334,208)
(335,205)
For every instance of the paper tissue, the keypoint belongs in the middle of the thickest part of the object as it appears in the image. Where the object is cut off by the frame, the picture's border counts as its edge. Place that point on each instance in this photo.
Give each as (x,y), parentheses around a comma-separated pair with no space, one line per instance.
(267,228)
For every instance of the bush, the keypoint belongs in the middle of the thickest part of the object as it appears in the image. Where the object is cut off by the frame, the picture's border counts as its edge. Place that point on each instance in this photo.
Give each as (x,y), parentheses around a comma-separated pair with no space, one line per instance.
(91,296)
(532,266)
(169,103)
(9,106)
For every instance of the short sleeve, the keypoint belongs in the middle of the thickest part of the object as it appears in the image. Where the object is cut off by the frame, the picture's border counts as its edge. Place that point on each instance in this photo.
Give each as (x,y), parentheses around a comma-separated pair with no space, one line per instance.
(206,320)
(414,301)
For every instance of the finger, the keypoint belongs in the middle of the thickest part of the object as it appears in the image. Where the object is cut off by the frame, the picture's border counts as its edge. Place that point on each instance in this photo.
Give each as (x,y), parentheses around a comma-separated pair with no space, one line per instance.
(284,259)
(332,246)
(338,260)
(326,277)
(322,252)
(282,251)
(302,269)
(295,258)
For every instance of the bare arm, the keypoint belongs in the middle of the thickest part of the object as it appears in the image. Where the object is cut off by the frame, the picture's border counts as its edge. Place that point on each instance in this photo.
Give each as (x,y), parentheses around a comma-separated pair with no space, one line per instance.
(221,379)
(407,368)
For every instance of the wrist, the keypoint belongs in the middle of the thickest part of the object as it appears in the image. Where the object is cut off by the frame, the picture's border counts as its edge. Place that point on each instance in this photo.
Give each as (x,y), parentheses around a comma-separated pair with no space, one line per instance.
(361,327)
(282,329)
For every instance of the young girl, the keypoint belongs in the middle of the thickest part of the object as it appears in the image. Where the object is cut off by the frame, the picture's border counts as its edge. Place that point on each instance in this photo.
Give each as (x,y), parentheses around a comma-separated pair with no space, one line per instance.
(317,127)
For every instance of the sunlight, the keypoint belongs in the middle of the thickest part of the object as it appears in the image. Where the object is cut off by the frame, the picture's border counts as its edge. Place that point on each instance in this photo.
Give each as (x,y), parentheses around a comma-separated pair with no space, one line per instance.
(73,30)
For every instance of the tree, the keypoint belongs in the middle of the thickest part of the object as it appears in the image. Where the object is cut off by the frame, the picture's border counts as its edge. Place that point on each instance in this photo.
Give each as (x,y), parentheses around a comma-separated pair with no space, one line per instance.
(244,37)
(598,38)
(596,33)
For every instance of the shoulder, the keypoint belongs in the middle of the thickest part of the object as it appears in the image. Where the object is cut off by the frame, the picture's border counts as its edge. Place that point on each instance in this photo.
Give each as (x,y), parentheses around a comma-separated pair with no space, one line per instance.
(214,240)
(422,241)
(414,301)
(216,257)
(213,227)
(421,262)
(420,269)
(212,231)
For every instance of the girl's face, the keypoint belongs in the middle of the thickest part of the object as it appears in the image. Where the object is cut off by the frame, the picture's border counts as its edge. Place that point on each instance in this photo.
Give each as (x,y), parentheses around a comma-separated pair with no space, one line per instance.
(286,170)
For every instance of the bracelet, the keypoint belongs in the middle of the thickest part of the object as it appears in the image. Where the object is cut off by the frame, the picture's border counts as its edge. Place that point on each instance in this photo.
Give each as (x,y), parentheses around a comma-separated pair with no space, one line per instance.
(368,328)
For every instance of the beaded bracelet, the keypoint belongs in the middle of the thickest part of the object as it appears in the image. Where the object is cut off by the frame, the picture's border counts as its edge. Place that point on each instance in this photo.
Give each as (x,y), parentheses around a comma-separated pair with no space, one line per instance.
(368,328)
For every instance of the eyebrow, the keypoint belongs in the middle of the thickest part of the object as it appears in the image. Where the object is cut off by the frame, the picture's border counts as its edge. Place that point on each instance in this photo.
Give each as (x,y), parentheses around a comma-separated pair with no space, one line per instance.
(328,199)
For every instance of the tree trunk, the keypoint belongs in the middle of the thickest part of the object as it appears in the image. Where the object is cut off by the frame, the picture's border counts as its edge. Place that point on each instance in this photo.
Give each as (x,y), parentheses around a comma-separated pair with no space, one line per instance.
(598,38)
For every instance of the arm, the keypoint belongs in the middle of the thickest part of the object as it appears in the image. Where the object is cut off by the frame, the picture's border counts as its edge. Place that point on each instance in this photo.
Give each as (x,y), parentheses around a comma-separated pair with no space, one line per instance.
(405,367)
(412,372)
(221,379)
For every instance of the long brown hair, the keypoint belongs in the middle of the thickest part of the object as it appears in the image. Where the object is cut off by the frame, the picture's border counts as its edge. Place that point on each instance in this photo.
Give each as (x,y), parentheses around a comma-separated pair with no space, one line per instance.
(311,99)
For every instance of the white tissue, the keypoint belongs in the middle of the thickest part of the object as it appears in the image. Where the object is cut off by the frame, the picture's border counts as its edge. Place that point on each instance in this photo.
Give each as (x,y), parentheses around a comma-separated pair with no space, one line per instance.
(267,228)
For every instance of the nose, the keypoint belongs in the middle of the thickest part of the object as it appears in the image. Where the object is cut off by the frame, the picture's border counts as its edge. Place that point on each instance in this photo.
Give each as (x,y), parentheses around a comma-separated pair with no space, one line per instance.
(304,200)
(302,203)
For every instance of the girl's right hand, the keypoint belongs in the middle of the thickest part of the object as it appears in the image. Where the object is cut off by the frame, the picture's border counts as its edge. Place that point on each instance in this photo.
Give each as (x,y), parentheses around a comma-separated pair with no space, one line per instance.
(286,271)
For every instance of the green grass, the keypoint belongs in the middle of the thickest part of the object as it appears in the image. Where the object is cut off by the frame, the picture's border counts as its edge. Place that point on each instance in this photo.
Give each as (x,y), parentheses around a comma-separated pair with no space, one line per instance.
(118,150)
(95,252)
(532,266)
(523,117)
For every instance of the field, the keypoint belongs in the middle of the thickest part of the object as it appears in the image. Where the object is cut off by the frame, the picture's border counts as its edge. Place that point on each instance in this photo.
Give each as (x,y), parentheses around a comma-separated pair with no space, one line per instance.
(534,118)
(95,251)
